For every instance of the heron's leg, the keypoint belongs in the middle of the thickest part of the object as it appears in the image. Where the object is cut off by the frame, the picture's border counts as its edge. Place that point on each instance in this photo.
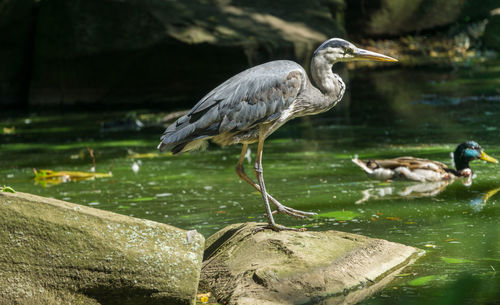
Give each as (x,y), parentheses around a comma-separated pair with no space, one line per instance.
(240,171)
(260,178)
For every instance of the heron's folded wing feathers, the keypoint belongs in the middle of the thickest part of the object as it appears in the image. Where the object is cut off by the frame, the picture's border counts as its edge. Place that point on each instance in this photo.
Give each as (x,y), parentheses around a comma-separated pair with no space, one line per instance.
(251,97)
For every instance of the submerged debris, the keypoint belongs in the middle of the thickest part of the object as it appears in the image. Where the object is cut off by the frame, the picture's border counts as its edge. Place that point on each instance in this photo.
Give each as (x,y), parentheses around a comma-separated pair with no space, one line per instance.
(50,177)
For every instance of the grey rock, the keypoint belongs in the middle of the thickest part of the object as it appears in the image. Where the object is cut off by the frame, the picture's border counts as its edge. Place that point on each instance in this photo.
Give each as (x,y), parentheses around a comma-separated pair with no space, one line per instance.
(401,17)
(56,252)
(245,266)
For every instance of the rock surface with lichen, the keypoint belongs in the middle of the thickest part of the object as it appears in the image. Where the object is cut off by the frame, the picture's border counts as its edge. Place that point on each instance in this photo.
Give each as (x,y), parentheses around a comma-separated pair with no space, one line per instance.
(55,252)
(242,266)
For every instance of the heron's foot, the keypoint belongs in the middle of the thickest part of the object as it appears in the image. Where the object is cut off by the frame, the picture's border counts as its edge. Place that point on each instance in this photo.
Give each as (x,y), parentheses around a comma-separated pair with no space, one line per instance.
(292,212)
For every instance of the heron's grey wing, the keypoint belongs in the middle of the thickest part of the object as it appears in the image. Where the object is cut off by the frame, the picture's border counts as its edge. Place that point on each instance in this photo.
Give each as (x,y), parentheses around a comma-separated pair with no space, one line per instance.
(253,96)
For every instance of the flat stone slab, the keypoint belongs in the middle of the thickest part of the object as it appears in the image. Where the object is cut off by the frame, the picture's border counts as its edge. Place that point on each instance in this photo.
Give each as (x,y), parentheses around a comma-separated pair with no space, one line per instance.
(56,252)
(242,266)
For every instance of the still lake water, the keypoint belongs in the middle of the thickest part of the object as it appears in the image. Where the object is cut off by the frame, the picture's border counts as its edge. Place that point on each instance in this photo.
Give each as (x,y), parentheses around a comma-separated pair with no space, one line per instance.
(385,113)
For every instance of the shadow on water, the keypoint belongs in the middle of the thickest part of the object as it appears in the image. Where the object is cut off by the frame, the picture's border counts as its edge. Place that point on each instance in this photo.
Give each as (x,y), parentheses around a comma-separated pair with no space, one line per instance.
(387,113)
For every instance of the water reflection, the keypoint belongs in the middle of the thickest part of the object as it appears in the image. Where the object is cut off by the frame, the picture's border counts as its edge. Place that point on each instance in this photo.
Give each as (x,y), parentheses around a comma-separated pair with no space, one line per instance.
(478,203)
(426,189)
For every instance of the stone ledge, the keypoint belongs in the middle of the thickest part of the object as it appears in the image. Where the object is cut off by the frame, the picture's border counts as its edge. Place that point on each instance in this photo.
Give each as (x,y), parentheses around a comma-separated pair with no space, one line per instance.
(267,267)
(56,252)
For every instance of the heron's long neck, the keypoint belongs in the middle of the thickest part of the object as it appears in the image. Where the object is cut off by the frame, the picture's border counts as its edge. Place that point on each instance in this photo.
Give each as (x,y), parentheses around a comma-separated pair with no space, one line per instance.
(329,83)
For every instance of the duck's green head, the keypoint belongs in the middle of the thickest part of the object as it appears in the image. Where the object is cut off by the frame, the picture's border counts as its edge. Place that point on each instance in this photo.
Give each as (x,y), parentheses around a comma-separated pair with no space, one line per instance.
(469,151)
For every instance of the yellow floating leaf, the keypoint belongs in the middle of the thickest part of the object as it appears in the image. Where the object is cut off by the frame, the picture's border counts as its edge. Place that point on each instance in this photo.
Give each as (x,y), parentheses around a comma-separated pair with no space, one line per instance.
(9,130)
(148,155)
(393,218)
(203,297)
(48,177)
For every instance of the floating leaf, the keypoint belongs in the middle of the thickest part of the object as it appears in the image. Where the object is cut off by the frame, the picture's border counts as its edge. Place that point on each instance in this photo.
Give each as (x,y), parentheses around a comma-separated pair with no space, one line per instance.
(393,218)
(340,215)
(425,280)
(9,130)
(8,189)
(203,297)
(451,260)
(47,176)
(148,155)
(125,207)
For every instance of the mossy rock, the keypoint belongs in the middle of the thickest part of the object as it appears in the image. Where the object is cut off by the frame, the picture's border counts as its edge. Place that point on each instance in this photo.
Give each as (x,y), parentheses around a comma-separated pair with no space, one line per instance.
(401,17)
(55,252)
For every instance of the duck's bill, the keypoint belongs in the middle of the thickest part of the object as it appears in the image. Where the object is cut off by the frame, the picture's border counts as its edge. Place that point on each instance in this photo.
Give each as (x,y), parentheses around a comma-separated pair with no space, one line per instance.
(360,54)
(484,156)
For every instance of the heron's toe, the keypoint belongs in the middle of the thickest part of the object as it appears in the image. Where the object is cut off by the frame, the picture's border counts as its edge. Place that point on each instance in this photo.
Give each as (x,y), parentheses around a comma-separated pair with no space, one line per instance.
(293,212)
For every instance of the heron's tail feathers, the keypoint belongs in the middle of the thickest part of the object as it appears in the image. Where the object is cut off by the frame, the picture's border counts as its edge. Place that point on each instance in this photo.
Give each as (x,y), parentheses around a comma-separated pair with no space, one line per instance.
(183,139)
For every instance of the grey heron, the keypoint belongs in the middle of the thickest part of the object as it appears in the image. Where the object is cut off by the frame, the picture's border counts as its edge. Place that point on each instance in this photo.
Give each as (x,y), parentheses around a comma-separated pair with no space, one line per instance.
(251,105)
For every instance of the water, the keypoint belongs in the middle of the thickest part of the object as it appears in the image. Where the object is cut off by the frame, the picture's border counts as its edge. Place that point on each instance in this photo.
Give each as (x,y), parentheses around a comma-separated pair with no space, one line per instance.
(386,113)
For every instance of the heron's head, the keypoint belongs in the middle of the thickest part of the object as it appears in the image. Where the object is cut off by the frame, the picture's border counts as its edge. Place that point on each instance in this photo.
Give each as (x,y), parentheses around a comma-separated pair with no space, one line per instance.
(469,151)
(336,49)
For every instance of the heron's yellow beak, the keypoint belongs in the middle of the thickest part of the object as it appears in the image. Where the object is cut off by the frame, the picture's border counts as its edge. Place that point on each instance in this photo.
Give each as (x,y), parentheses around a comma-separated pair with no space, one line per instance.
(361,54)
(487,158)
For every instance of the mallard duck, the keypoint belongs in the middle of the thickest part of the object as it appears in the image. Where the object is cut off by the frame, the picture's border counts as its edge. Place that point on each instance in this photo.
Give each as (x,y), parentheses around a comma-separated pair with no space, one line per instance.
(422,170)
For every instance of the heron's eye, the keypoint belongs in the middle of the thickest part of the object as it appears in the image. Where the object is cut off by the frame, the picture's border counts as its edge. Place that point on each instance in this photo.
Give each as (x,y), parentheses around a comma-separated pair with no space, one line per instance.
(348,51)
